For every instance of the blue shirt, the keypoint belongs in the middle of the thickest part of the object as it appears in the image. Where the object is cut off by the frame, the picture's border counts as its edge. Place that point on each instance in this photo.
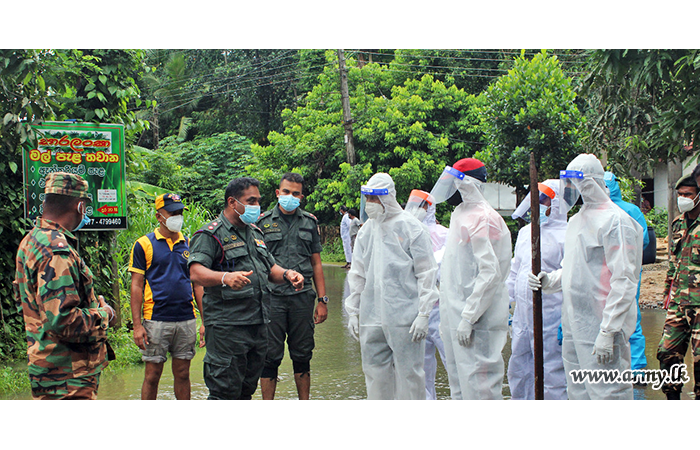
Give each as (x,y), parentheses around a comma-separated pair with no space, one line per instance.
(167,294)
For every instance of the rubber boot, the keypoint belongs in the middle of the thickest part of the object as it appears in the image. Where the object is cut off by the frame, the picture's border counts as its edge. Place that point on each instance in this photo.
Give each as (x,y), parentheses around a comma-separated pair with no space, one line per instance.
(673,396)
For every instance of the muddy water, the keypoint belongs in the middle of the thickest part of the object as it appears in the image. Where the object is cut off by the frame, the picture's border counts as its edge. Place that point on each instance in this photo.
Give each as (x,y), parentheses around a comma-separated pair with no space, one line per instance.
(336,367)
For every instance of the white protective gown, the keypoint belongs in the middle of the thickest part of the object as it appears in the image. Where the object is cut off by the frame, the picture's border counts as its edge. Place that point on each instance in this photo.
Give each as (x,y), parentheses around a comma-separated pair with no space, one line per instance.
(599,276)
(345,237)
(392,280)
(521,370)
(473,286)
(438,236)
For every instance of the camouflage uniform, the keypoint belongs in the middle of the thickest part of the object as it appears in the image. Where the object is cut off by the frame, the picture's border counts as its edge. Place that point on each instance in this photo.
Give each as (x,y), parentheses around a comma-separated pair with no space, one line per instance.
(683,318)
(291,240)
(53,288)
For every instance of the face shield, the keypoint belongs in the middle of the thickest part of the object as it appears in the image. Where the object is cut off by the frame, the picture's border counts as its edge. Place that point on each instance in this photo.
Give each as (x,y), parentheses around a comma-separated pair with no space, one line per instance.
(547,194)
(568,189)
(418,203)
(446,185)
(371,205)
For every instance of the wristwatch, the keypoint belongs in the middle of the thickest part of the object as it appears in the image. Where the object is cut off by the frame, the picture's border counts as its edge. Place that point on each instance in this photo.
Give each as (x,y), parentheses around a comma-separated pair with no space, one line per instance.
(323,299)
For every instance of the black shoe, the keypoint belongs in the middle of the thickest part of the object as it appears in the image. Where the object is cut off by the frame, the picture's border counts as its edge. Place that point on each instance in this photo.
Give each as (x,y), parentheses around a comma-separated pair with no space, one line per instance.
(673,396)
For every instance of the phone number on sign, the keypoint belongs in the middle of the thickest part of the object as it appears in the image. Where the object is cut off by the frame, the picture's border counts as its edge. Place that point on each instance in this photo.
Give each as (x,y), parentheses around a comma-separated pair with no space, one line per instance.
(106,221)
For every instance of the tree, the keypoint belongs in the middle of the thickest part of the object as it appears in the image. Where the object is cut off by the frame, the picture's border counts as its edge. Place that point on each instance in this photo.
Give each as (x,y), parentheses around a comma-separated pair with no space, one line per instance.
(410,131)
(531,109)
(644,106)
(40,85)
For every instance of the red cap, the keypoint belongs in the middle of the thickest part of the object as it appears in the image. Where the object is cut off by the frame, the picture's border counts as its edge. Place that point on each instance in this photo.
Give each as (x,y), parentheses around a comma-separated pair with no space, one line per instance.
(472,167)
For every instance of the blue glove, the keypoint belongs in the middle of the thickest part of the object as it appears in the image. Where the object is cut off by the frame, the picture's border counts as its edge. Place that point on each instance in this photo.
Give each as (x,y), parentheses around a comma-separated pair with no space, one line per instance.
(560,335)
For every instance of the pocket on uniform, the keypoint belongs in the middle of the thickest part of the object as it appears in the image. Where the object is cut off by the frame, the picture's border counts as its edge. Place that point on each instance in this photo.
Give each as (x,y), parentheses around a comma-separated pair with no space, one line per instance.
(217,372)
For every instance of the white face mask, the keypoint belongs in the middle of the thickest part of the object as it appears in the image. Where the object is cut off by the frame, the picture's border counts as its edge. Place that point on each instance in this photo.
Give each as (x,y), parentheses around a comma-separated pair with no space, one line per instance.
(174,223)
(686,204)
(374,210)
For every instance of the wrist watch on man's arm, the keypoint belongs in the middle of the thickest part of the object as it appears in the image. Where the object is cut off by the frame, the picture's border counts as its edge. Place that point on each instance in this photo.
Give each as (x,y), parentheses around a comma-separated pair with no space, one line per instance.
(323,299)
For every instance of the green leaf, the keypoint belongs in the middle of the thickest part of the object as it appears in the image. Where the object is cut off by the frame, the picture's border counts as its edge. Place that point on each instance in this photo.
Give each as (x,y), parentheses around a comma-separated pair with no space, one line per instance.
(103,79)
(13,166)
(7,118)
(99,113)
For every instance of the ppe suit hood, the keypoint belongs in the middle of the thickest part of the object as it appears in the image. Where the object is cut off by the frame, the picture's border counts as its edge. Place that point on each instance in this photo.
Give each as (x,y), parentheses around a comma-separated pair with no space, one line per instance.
(592,186)
(556,216)
(391,206)
(471,190)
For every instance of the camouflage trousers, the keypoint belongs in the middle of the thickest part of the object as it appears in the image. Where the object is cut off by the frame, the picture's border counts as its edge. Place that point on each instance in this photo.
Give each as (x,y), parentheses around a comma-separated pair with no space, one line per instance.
(84,388)
(682,327)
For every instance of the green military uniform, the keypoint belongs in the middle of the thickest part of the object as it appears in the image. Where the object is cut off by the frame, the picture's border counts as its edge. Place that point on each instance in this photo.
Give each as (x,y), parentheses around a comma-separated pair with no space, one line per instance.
(235,320)
(683,285)
(66,328)
(292,239)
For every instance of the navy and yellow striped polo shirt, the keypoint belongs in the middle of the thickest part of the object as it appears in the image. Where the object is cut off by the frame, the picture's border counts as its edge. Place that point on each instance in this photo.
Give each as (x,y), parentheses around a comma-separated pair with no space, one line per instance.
(167,294)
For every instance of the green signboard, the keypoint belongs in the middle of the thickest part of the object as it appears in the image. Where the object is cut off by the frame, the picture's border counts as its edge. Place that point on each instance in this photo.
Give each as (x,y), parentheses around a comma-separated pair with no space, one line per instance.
(93,151)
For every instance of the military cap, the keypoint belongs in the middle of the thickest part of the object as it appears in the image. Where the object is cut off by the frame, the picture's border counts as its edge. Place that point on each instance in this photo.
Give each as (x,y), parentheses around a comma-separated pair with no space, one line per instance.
(686,180)
(170,202)
(64,183)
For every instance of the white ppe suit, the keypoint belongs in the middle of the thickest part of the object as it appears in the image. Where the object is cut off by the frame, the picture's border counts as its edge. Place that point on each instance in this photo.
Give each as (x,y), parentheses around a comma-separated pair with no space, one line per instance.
(345,237)
(521,370)
(473,276)
(438,236)
(392,286)
(599,275)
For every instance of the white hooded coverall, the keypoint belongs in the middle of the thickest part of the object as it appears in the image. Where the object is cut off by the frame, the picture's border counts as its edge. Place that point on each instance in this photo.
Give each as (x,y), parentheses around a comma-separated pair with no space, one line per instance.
(599,275)
(473,276)
(392,280)
(521,366)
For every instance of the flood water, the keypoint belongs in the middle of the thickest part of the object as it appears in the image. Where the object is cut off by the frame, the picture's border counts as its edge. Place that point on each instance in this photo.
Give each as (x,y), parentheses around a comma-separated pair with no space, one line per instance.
(336,367)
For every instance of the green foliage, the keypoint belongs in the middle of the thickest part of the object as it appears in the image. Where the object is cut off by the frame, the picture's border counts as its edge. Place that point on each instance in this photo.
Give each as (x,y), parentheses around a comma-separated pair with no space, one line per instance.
(643,105)
(13,380)
(198,170)
(532,109)
(125,350)
(333,251)
(424,125)
(657,218)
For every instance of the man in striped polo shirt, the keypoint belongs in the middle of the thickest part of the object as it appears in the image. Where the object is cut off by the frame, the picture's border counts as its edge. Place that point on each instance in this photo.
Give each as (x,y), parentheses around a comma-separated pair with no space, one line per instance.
(161,300)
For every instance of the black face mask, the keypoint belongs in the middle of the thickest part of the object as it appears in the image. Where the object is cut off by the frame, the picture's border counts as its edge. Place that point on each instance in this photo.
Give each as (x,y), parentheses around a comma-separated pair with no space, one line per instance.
(455,200)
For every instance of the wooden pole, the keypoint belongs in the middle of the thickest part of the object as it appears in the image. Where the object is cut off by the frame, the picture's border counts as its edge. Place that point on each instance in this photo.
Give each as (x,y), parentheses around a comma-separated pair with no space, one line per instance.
(536,268)
(347,116)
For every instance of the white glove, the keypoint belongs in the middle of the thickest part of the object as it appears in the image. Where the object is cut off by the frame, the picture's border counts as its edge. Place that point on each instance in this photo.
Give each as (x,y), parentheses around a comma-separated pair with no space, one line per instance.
(354,326)
(603,347)
(419,328)
(464,332)
(541,280)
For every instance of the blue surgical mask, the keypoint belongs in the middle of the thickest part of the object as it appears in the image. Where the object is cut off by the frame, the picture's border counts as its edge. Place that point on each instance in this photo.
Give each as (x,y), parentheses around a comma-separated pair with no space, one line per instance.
(543,214)
(251,214)
(288,202)
(85,221)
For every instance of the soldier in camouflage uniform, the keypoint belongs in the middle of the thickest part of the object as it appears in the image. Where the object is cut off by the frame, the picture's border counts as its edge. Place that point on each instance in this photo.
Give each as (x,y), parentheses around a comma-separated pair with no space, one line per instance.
(682,287)
(228,256)
(66,323)
(292,236)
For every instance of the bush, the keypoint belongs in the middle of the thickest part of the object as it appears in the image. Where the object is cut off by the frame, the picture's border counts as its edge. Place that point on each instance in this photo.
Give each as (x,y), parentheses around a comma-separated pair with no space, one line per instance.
(657,218)
(333,251)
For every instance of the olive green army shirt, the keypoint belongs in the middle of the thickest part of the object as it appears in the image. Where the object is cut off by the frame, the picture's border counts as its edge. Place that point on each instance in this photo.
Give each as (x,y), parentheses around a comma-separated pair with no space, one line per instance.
(222,246)
(684,262)
(292,239)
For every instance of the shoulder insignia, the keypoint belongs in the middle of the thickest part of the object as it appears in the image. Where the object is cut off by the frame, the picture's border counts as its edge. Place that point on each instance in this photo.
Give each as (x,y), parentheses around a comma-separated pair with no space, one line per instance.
(308,214)
(267,225)
(260,243)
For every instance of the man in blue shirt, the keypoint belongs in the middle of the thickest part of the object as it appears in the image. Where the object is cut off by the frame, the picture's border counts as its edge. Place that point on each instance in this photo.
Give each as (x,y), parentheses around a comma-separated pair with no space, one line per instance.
(160,285)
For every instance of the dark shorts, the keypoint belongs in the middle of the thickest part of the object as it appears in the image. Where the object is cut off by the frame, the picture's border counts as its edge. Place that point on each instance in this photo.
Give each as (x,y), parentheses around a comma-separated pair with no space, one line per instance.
(234,360)
(291,318)
(84,388)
